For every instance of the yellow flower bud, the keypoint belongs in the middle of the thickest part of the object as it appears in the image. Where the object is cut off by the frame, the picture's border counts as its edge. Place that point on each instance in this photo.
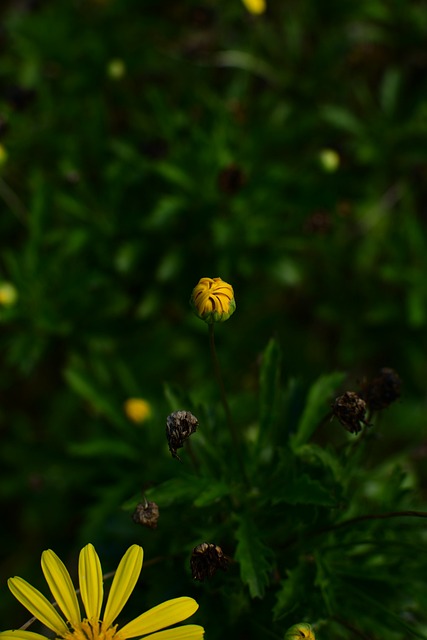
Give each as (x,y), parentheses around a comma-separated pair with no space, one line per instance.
(255,6)
(3,155)
(300,631)
(8,294)
(329,160)
(212,300)
(137,410)
(116,69)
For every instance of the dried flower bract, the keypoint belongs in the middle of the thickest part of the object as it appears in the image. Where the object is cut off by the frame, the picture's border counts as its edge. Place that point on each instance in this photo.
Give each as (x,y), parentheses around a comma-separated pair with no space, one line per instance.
(206,559)
(179,426)
(147,514)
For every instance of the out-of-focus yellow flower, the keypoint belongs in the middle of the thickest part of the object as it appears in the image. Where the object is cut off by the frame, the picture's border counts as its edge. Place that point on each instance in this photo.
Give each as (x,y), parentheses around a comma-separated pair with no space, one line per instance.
(299,631)
(3,155)
(93,625)
(116,69)
(255,6)
(329,159)
(137,410)
(212,300)
(8,294)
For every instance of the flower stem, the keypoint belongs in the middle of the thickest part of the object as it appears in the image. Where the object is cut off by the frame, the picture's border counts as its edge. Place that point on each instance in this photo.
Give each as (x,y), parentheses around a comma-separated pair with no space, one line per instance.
(235,436)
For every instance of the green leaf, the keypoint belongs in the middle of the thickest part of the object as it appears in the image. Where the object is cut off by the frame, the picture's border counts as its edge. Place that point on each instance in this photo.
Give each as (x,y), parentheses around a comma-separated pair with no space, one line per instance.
(201,491)
(177,490)
(213,492)
(317,407)
(302,489)
(254,557)
(269,387)
(292,592)
(84,387)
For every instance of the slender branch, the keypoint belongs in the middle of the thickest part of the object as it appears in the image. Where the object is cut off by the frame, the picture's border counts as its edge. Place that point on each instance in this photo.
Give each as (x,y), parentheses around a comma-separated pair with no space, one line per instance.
(235,436)
(350,521)
(350,627)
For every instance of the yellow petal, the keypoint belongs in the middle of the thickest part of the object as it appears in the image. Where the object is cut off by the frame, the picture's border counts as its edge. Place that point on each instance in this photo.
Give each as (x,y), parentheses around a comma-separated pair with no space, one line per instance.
(255,6)
(90,579)
(61,586)
(37,604)
(124,582)
(187,632)
(17,634)
(164,615)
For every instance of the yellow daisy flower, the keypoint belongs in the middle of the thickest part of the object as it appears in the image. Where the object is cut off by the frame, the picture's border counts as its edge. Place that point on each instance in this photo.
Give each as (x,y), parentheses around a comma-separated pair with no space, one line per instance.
(255,6)
(137,410)
(92,627)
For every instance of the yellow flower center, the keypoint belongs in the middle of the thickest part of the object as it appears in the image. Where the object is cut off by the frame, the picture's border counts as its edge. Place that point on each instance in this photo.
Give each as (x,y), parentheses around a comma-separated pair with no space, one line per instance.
(92,630)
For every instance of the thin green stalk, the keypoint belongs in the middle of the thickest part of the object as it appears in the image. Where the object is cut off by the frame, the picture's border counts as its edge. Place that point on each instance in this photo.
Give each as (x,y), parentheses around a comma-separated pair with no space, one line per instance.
(235,435)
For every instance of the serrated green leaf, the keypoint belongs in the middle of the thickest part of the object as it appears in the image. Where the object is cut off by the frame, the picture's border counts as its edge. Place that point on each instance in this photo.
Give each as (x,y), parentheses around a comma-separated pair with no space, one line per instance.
(317,407)
(254,557)
(269,387)
(291,592)
(302,489)
(186,489)
(212,493)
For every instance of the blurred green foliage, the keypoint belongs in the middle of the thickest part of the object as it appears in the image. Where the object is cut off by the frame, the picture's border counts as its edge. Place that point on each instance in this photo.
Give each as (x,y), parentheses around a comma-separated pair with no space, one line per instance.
(146,146)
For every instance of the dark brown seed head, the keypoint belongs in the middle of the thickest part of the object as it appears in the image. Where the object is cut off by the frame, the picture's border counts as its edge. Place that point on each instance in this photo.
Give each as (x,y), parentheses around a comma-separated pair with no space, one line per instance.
(206,559)
(350,409)
(179,426)
(231,179)
(147,514)
(380,392)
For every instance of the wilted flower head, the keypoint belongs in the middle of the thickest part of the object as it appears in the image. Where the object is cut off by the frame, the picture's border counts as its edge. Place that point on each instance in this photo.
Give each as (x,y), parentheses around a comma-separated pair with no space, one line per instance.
(137,409)
(255,6)
(93,626)
(206,559)
(212,300)
(350,409)
(179,426)
(147,514)
(380,392)
(299,631)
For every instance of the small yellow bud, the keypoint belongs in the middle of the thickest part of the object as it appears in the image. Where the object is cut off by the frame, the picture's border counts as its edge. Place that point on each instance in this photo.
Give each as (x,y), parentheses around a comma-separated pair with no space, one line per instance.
(329,160)
(8,294)
(137,410)
(212,300)
(116,69)
(300,631)
(255,6)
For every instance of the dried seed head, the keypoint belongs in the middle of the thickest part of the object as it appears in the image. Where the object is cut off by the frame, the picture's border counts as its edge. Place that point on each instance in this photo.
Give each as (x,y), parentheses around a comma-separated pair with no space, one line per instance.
(350,409)
(147,514)
(179,426)
(231,179)
(206,559)
(380,392)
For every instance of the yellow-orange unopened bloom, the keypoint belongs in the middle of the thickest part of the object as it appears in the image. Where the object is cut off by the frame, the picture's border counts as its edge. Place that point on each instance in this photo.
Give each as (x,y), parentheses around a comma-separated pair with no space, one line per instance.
(300,631)
(212,300)
(255,6)
(94,626)
(137,410)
